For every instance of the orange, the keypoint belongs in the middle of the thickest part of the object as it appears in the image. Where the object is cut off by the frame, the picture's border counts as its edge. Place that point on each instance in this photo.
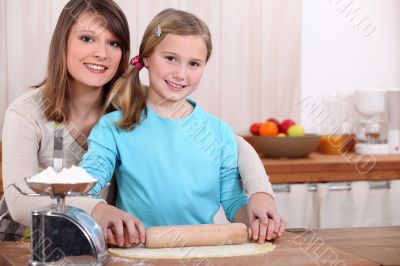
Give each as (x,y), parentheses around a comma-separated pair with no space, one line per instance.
(336,144)
(269,128)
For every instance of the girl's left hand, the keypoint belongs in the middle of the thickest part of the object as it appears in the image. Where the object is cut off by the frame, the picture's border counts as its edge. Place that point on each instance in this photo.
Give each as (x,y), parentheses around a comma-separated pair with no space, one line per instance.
(264,218)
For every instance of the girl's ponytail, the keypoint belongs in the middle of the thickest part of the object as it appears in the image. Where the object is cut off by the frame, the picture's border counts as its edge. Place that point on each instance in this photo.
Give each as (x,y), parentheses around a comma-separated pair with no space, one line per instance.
(128,96)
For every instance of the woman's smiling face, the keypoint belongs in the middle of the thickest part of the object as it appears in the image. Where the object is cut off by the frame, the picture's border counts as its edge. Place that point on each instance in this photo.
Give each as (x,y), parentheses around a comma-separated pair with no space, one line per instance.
(93,53)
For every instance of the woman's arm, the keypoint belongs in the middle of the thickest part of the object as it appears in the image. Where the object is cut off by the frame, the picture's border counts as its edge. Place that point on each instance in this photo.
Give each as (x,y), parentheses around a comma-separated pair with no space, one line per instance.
(251,169)
(262,213)
(20,141)
(22,135)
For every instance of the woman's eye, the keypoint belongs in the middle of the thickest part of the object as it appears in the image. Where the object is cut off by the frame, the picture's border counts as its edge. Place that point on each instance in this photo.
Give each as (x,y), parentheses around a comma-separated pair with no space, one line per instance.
(194,64)
(115,43)
(86,38)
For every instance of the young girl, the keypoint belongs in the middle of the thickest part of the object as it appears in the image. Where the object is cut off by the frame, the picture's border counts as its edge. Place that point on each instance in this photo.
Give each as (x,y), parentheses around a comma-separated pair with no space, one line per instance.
(174,162)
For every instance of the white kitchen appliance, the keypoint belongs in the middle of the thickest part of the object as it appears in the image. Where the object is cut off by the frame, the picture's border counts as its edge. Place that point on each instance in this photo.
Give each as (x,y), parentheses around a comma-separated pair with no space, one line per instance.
(371,124)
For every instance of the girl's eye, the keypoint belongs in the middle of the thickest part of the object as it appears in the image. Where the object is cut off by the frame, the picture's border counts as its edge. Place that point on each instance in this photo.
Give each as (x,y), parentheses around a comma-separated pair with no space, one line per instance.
(170,58)
(86,38)
(115,43)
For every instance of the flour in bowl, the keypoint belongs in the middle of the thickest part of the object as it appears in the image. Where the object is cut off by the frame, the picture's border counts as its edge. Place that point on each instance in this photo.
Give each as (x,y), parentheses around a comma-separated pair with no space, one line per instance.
(73,175)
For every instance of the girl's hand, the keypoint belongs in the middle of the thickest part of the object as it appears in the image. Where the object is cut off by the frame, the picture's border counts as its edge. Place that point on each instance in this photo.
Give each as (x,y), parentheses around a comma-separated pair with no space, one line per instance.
(119,228)
(264,218)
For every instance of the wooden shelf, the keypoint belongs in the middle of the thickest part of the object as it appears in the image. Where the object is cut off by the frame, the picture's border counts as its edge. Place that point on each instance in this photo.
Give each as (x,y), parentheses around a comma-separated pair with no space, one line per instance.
(333,168)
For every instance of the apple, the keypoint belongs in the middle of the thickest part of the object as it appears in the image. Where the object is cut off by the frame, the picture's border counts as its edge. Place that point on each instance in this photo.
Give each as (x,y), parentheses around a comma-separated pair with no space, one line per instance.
(273,120)
(255,129)
(281,135)
(283,127)
(295,131)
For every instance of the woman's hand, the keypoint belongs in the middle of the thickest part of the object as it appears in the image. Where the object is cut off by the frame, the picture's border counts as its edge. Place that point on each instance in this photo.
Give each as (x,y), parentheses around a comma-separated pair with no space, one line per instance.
(119,227)
(264,218)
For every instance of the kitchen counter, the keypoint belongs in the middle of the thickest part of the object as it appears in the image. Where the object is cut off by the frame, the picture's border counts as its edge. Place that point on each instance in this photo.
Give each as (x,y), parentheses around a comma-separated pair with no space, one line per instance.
(333,168)
(377,244)
(357,246)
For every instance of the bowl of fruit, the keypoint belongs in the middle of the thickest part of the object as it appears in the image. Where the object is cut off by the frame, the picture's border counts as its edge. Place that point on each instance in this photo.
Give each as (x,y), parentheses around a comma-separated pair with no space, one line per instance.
(284,139)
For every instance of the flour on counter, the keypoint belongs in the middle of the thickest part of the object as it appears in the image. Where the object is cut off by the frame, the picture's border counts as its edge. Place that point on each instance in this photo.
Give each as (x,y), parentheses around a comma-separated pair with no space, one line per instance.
(73,175)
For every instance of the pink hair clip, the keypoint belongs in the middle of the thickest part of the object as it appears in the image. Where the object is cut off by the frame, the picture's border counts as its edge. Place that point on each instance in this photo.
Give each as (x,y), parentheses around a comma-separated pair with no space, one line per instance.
(136,63)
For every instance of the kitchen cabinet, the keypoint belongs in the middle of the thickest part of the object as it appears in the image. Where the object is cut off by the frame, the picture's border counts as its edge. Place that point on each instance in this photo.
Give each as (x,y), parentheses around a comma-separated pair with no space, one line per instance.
(330,191)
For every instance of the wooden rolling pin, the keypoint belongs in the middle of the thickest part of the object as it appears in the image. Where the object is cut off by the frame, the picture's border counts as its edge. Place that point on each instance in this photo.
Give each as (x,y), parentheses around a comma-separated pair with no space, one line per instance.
(197,235)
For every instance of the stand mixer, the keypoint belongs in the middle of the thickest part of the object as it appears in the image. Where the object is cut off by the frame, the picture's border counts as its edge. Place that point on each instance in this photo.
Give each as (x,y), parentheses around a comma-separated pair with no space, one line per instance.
(64,235)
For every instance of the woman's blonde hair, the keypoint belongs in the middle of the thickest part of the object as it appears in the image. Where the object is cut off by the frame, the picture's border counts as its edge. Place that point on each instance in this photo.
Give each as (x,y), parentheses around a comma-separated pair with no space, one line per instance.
(56,84)
(128,93)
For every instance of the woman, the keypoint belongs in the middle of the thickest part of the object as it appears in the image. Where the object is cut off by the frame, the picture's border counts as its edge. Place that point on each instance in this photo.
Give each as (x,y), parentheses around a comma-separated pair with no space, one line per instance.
(89,51)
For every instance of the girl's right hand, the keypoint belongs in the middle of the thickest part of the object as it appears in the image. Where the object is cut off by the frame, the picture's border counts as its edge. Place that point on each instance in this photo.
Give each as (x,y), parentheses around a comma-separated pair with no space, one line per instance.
(119,227)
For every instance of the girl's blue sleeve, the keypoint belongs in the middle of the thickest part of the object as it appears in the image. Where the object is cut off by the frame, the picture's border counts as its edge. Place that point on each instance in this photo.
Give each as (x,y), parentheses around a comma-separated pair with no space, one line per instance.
(100,159)
(231,194)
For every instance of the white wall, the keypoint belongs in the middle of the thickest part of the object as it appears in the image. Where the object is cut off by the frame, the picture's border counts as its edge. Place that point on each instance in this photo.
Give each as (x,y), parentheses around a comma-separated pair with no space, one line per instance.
(258,45)
(254,72)
(348,45)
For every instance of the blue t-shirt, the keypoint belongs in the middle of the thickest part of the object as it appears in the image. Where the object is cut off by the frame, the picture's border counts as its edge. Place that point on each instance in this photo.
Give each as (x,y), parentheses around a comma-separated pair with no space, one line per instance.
(168,171)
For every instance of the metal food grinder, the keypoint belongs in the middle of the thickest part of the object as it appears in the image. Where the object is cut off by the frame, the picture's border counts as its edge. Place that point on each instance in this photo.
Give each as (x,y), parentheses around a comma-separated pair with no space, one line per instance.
(64,235)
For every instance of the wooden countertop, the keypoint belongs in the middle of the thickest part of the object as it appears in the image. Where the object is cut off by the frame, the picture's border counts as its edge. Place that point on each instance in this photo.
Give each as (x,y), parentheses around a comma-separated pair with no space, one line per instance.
(333,168)
(377,244)
(357,246)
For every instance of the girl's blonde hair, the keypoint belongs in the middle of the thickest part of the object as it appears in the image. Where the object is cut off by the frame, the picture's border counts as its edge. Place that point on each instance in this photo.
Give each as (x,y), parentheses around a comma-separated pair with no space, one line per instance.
(128,93)
(56,84)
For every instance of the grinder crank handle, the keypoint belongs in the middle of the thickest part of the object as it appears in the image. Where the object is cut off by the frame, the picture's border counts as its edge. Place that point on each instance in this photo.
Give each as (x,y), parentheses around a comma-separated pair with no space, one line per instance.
(197,235)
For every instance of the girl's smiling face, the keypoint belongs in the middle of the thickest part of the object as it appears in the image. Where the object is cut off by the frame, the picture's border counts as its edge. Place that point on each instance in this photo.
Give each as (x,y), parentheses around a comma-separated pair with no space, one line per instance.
(175,67)
(93,53)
